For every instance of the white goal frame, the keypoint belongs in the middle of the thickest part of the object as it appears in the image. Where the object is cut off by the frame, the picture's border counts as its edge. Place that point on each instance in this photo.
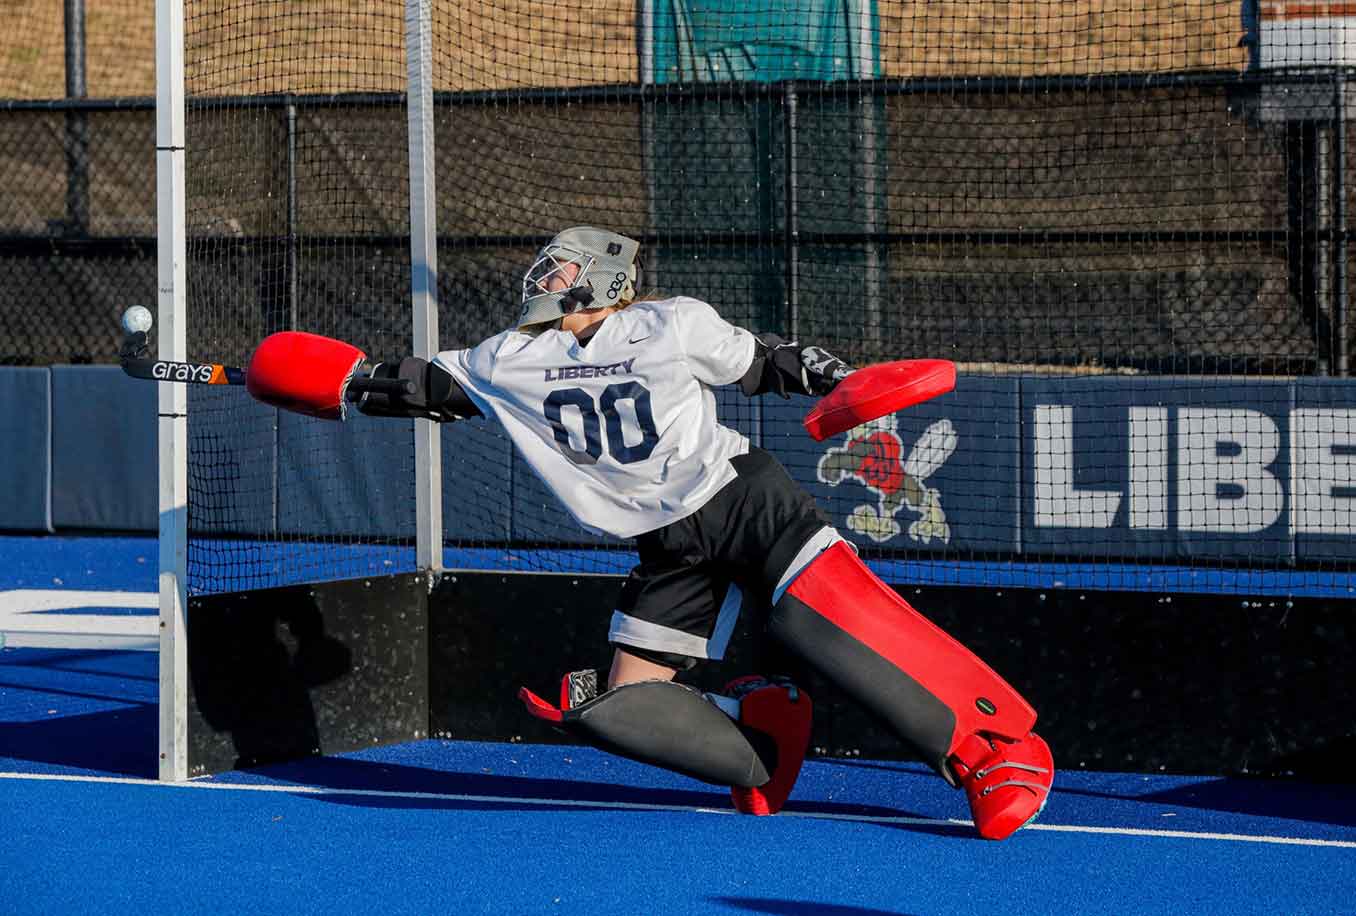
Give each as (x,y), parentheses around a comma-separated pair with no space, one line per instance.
(172,345)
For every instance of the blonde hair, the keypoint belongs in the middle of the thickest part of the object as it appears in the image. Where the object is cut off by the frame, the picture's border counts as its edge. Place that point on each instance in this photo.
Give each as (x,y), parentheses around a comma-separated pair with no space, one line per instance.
(650,296)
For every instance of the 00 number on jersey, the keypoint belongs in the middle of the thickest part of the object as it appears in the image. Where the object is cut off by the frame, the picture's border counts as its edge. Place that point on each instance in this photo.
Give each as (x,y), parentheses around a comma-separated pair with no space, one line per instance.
(611,421)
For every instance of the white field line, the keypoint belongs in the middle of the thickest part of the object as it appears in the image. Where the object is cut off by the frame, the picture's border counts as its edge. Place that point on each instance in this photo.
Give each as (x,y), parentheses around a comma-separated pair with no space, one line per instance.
(22,625)
(77,642)
(640,806)
(27,600)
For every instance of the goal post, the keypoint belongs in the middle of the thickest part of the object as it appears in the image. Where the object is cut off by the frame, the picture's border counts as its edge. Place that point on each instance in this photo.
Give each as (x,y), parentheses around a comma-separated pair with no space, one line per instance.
(424,274)
(297,219)
(173,399)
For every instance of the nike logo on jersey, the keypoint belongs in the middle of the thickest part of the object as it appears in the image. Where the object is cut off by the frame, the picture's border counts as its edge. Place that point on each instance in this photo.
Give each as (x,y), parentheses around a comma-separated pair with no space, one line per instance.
(572,372)
(636,340)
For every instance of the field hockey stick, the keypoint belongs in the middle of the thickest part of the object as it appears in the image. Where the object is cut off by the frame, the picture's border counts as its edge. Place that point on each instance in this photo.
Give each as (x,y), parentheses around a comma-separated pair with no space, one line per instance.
(136,362)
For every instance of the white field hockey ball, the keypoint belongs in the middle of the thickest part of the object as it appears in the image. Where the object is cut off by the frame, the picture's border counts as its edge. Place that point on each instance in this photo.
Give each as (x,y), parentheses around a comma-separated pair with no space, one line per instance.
(137,318)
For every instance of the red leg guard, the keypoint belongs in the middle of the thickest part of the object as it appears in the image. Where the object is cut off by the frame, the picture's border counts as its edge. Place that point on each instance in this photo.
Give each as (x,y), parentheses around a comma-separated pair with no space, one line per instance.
(783,712)
(1006,782)
(872,644)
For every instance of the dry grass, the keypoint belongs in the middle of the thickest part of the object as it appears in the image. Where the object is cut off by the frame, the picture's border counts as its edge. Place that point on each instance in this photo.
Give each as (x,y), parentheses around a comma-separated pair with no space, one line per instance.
(302,46)
(119,62)
(356,45)
(1019,37)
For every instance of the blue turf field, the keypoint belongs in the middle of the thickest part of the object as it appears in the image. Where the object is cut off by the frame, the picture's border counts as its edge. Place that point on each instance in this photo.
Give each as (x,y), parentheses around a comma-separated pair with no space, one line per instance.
(454,827)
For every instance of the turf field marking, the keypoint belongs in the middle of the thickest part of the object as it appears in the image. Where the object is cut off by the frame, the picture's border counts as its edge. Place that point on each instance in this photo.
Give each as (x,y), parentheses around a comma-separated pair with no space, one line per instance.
(642,806)
(27,621)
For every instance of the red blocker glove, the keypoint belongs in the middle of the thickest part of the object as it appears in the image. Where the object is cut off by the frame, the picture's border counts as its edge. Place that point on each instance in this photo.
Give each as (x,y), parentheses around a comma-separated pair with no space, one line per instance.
(304,373)
(873,391)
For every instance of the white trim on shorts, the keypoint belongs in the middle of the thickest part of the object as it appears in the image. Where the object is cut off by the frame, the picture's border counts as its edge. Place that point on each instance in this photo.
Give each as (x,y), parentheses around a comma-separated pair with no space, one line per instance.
(822,540)
(631,631)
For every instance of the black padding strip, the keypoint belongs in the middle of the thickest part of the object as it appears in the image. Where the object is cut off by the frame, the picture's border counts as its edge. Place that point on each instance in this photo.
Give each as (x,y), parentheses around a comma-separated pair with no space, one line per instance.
(673,726)
(445,391)
(905,705)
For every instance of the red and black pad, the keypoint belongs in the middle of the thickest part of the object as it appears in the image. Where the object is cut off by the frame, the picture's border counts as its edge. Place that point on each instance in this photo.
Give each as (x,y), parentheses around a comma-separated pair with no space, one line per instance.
(304,373)
(783,712)
(876,390)
(668,725)
(874,646)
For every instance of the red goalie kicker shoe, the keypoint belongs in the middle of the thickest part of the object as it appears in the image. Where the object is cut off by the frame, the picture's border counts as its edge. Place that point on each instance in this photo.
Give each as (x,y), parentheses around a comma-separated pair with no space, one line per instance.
(783,711)
(1006,782)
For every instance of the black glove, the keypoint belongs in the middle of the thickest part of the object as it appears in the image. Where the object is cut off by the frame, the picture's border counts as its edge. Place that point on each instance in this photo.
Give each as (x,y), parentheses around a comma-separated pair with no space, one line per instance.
(436,394)
(786,368)
(823,370)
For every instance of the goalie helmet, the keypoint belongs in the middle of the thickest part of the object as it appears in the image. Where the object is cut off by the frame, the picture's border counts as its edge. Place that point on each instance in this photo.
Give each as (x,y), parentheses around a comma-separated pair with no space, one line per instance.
(581,268)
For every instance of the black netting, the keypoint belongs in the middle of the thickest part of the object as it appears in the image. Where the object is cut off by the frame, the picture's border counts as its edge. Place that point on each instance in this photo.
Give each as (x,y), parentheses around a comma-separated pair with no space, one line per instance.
(298,219)
(1128,227)
(77,234)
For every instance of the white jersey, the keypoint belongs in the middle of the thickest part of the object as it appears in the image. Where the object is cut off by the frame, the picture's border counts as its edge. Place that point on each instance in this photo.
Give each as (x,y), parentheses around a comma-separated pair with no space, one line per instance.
(623,429)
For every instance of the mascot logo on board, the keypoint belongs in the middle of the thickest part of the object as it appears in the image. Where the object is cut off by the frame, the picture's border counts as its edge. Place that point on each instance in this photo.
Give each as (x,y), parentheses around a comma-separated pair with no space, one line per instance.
(874,456)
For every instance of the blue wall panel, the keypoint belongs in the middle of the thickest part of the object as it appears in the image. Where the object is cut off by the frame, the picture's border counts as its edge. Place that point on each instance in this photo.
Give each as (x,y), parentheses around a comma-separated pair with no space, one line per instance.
(1106,468)
(104,472)
(1155,468)
(539,516)
(1234,435)
(1323,459)
(26,454)
(939,476)
(233,471)
(350,479)
(477,487)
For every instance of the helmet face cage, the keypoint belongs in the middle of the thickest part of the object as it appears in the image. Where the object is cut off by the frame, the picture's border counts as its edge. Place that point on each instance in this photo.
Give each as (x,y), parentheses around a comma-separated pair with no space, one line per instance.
(605,273)
(553,261)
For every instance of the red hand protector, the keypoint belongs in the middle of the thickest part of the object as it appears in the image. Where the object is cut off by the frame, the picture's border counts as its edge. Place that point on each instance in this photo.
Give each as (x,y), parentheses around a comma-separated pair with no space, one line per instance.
(304,373)
(877,390)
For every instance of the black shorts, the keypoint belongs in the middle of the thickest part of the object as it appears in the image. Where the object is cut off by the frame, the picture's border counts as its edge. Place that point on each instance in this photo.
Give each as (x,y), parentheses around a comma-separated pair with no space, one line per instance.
(681,602)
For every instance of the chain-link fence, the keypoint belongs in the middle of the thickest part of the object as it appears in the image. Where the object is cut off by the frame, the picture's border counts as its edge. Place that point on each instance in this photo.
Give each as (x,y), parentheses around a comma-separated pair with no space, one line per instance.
(77,236)
(77,177)
(1075,219)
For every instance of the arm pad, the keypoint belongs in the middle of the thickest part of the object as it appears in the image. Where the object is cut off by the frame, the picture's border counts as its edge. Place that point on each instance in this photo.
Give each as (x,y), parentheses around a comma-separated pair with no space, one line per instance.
(436,396)
(786,368)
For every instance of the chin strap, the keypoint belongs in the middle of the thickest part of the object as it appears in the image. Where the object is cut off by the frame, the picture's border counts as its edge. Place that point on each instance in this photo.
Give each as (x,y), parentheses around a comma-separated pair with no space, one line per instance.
(576,298)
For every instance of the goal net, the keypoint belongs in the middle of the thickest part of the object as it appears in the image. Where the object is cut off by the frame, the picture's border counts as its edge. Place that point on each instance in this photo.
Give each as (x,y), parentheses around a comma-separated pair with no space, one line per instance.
(1126,224)
(298,219)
